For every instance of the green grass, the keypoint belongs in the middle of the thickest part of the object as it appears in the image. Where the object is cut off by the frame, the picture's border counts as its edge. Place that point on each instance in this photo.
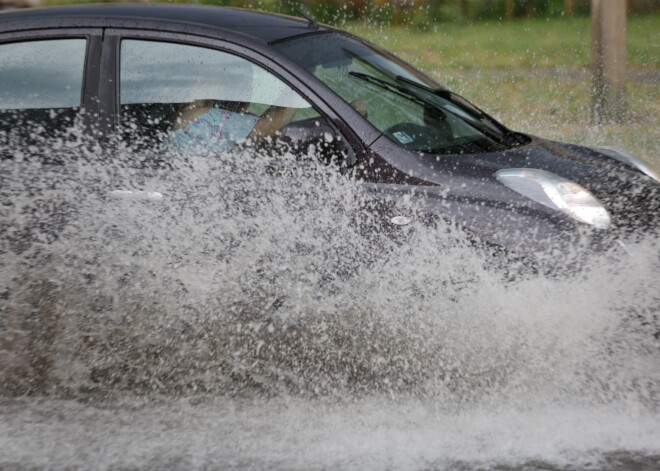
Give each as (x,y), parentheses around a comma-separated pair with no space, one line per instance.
(506,44)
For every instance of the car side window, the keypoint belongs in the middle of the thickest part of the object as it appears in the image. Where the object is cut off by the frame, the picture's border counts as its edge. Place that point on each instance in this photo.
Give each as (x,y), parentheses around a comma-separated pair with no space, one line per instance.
(41,89)
(193,99)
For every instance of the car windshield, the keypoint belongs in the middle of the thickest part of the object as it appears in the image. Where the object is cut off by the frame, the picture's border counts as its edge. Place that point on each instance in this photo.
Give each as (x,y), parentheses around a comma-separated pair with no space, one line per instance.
(400,102)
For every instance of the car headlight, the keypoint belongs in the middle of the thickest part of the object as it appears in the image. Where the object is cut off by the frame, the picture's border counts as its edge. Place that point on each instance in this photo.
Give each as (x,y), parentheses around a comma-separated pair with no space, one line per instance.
(626,157)
(557,193)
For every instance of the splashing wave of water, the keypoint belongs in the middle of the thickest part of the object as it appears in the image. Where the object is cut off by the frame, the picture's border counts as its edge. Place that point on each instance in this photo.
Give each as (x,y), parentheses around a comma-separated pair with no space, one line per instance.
(230,278)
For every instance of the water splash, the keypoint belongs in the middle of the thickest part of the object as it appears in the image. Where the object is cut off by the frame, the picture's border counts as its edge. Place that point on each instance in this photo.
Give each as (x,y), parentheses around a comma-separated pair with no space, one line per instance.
(263,286)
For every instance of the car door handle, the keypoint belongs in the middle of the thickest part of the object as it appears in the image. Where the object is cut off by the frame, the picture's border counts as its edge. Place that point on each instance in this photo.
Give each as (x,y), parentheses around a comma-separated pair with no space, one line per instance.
(137,195)
(400,220)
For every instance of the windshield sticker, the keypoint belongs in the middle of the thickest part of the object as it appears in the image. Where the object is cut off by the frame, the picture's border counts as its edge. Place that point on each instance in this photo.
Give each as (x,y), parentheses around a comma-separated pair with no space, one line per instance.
(403,137)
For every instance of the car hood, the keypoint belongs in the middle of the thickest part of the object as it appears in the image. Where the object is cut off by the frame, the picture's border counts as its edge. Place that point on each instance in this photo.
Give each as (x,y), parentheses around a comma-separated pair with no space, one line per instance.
(631,197)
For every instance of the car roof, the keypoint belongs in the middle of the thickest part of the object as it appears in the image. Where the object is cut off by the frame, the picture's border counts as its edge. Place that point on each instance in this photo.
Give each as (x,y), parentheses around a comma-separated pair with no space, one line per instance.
(263,26)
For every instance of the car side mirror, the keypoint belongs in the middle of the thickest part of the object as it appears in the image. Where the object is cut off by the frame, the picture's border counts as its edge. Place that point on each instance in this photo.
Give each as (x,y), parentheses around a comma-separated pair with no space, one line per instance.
(322,137)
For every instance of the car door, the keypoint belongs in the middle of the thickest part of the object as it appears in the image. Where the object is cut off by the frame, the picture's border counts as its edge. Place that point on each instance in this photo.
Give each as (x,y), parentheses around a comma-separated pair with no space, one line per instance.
(48,99)
(170,96)
(189,103)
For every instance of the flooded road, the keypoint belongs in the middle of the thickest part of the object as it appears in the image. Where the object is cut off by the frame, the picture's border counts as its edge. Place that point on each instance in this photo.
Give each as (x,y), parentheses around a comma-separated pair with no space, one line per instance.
(212,433)
(218,328)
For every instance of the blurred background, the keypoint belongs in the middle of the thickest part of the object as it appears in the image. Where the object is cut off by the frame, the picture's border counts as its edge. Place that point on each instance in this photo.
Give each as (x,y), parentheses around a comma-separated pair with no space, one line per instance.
(527,62)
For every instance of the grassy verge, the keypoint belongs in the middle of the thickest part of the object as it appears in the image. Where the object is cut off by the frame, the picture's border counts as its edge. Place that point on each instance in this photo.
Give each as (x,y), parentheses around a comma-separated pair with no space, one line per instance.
(506,44)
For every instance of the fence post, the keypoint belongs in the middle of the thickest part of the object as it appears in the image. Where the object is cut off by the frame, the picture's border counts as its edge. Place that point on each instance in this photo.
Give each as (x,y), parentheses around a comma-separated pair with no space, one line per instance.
(465,9)
(398,12)
(608,53)
(568,7)
(508,7)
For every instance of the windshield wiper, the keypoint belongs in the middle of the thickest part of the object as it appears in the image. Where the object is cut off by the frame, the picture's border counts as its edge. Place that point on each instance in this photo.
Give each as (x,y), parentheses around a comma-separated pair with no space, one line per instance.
(448,95)
(492,126)
(401,78)
(397,89)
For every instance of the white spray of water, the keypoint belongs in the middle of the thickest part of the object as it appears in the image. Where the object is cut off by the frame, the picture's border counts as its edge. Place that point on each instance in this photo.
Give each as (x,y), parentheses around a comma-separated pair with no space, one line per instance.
(247,313)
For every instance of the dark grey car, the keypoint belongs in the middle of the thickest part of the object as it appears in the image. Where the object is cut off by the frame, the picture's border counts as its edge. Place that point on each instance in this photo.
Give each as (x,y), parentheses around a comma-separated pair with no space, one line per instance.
(159,76)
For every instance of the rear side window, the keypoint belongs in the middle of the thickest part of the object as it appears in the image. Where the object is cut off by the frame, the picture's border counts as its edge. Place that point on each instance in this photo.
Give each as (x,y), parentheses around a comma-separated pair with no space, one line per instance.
(41,85)
(42,74)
